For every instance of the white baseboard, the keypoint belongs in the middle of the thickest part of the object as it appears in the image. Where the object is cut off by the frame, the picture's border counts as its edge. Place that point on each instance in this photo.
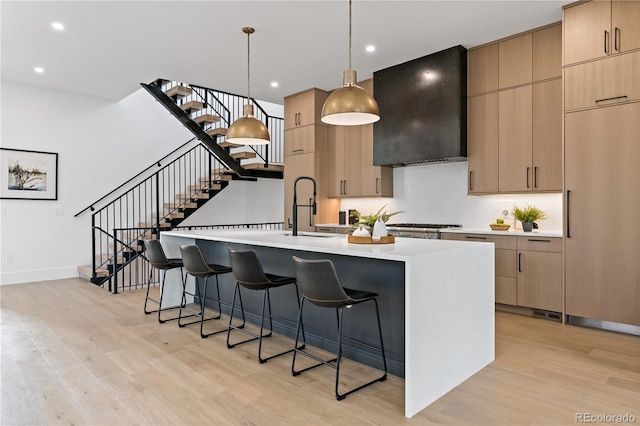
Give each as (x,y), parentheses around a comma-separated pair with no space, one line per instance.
(21,277)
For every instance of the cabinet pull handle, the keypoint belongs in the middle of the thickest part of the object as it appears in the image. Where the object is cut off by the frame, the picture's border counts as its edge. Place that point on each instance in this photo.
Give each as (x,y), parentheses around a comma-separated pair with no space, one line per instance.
(470,181)
(519,262)
(535,177)
(311,212)
(298,150)
(606,42)
(475,237)
(377,185)
(341,187)
(345,187)
(616,39)
(528,176)
(612,99)
(538,241)
(568,216)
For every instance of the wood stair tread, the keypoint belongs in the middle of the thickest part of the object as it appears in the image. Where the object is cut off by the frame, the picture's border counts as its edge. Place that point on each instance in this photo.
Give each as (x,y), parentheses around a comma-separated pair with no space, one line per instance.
(243,155)
(180,205)
(260,166)
(196,196)
(226,144)
(153,225)
(217,131)
(192,105)
(206,118)
(179,91)
(87,271)
(213,187)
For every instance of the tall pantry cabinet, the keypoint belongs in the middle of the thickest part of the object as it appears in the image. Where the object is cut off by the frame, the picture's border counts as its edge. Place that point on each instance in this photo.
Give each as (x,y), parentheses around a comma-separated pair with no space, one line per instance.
(601,162)
(305,145)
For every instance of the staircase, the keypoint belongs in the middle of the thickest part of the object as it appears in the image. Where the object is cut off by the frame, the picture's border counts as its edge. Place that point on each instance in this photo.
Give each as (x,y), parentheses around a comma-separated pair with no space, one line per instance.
(166,193)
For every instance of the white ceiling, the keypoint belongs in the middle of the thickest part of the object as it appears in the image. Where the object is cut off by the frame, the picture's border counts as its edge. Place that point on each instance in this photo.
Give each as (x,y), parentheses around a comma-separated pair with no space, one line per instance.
(109,47)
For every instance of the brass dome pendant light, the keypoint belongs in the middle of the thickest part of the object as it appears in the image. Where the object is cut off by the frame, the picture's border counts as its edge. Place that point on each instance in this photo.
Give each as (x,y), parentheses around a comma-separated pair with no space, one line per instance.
(350,105)
(248,130)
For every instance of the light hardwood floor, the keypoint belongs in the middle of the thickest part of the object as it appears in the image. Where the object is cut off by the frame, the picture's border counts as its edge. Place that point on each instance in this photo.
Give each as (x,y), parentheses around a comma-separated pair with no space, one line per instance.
(75,354)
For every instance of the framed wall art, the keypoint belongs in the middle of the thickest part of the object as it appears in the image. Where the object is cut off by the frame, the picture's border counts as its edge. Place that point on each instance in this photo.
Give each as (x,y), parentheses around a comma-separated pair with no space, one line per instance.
(28,175)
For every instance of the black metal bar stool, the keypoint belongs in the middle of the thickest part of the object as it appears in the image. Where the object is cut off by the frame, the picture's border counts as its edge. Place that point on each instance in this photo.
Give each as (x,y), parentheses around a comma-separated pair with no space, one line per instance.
(249,274)
(321,286)
(158,260)
(197,266)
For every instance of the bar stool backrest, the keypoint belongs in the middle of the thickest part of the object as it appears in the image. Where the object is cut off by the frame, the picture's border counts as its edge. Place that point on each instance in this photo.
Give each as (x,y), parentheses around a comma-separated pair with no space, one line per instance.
(319,282)
(247,268)
(155,255)
(194,261)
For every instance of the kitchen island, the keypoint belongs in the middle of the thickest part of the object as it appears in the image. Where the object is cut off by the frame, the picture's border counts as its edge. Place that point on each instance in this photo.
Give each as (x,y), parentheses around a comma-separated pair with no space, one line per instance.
(436,297)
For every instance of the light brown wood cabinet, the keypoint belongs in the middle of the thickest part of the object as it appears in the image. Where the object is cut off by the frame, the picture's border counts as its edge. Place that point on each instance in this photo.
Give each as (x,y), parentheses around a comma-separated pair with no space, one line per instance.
(597,29)
(345,166)
(547,136)
(304,108)
(609,81)
(313,165)
(306,155)
(528,269)
(515,61)
(539,278)
(482,144)
(483,65)
(547,53)
(351,169)
(305,139)
(530,138)
(515,140)
(602,198)
(514,132)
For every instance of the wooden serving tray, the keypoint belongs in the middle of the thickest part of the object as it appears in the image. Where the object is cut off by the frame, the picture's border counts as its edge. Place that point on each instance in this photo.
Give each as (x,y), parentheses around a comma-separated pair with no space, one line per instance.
(389,239)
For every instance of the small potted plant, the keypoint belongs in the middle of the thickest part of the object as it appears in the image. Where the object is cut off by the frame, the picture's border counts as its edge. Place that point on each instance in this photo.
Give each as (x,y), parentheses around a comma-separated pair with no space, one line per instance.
(370,220)
(528,215)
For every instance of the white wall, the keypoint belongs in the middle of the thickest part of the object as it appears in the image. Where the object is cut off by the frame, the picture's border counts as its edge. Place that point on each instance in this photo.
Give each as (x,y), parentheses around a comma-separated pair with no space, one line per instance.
(437,193)
(100,144)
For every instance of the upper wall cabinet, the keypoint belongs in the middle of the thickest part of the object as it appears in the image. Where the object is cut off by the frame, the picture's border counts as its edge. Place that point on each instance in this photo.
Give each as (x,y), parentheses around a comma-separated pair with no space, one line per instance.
(547,53)
(303,108)
(514,118)
(600,28)
(483,69)
(515,59)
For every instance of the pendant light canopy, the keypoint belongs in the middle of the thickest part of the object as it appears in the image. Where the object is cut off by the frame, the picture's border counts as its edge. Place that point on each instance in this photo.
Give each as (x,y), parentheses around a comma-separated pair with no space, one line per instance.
(350,105)
(248,130)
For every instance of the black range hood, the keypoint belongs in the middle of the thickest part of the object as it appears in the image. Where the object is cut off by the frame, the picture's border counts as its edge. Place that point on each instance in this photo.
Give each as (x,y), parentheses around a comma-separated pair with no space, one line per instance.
(423,110)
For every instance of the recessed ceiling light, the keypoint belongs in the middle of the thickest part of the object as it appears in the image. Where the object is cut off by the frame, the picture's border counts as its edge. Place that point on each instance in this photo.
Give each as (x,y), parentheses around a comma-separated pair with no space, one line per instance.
(39,70)
(57,26)
(274,84)
(370,48)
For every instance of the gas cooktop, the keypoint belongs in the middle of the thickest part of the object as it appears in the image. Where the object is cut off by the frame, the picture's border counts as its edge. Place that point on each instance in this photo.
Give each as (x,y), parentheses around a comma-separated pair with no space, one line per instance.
(422,225)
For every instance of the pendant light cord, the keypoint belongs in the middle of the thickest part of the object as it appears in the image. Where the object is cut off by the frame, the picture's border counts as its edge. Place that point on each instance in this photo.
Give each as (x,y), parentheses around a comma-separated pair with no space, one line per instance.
(350,41)
(248,68)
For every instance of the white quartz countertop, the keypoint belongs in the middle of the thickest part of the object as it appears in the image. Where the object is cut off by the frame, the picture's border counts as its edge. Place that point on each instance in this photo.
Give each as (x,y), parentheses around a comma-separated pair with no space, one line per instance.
(511,232)
(402,250)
